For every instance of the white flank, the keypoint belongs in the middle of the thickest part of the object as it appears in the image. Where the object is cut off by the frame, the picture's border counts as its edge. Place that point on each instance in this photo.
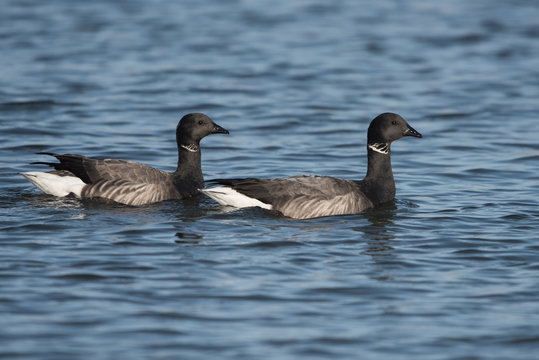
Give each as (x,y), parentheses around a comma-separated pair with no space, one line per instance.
(227,196)
(55,184)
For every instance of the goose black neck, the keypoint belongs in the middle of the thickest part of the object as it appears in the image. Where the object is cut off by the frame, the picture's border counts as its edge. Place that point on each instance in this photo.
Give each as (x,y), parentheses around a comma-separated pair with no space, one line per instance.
(379,185)
(189,168)
(378,164)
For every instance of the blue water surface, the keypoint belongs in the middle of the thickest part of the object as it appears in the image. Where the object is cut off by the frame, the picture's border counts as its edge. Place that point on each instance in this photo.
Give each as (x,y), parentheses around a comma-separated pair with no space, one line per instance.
(450,270)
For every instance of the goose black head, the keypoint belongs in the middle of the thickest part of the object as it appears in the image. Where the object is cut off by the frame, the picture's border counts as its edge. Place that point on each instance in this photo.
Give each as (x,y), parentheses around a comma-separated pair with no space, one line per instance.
(388,127)
(194,127)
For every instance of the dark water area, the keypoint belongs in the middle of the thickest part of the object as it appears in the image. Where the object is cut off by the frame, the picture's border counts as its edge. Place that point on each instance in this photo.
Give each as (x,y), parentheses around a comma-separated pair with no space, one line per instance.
(449,271)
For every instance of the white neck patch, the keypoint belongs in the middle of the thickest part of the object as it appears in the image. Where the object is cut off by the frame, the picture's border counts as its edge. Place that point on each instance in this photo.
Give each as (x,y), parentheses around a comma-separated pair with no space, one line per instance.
(382,148)
(190,147)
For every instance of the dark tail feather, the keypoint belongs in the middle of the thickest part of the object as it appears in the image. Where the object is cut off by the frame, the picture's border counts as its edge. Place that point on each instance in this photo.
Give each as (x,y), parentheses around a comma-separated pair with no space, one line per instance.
(44,163)
(56,166)
(71,162)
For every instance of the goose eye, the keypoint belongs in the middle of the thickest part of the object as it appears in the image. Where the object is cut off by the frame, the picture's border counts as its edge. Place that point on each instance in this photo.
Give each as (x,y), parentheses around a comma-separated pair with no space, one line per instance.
(394,122)
(200,122)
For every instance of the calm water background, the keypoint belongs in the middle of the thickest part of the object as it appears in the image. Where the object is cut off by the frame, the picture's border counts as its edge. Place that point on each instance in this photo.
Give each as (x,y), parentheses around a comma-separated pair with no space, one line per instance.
(450,271)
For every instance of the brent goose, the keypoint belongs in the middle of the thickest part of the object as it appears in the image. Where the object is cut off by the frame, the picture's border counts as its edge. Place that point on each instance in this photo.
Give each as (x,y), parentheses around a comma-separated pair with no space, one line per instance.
(129,182)
(303,197)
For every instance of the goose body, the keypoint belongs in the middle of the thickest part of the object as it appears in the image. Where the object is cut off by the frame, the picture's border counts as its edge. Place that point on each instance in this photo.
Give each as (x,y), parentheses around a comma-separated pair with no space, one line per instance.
(129,182)
(304,197)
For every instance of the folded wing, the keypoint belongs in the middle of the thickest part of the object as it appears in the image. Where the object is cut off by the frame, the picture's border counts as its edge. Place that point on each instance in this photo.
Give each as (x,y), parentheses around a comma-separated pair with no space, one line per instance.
(92,170)
(303,197)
